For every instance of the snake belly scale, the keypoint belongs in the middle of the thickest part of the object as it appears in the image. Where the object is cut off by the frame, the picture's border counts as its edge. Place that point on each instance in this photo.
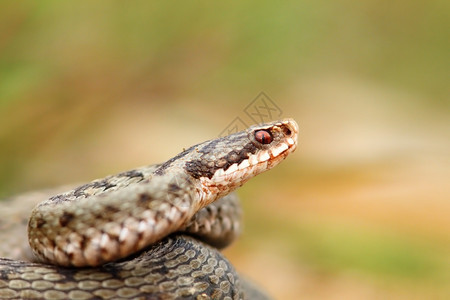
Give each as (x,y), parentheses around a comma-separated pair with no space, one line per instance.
(124,236)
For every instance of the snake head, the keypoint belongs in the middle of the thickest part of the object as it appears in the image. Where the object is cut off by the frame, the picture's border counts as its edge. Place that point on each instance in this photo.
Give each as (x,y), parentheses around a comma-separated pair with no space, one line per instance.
(224,164)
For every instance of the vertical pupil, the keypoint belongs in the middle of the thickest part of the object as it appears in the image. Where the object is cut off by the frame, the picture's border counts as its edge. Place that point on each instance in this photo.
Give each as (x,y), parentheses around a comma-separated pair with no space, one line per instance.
(263,137)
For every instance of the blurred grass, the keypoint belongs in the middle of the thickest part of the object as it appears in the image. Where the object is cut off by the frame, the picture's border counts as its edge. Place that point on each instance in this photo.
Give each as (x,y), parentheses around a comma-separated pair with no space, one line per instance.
(339,247)
(90,88)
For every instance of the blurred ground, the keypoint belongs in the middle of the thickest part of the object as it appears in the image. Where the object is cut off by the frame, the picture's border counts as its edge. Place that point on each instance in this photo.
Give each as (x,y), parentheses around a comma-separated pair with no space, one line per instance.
(360,211)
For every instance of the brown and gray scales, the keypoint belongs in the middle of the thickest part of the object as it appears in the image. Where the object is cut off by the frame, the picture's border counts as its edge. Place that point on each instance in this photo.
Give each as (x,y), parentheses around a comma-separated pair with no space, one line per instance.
(128,218)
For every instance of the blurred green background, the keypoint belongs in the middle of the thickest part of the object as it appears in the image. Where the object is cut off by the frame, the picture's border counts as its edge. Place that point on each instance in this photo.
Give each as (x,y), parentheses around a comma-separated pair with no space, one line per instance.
(360,211)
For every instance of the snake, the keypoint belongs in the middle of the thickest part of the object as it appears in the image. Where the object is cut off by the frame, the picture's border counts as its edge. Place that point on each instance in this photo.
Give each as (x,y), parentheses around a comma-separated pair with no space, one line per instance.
(150,233)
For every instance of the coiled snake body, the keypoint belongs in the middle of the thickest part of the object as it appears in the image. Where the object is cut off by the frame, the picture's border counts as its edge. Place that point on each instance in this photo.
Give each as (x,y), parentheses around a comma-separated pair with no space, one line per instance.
(119,237)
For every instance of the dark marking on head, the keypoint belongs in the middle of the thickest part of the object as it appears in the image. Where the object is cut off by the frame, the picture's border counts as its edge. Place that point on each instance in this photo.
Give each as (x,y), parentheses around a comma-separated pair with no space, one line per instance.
(204,168)
(65,219)
(195,169)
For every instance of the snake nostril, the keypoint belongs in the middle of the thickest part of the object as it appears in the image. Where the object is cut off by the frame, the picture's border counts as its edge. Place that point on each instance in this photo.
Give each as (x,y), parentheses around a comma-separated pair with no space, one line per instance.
(287,131)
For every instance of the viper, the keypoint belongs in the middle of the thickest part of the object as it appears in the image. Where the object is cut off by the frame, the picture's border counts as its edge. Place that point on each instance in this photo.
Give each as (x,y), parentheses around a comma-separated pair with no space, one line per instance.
(149,233)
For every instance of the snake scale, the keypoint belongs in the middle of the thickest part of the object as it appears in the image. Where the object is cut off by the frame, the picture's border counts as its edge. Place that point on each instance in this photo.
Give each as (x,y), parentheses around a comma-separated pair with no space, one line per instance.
(149,233)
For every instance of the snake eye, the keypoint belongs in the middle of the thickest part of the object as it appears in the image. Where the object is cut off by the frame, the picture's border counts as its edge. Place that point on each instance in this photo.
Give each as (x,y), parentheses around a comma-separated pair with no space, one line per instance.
(264,137)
